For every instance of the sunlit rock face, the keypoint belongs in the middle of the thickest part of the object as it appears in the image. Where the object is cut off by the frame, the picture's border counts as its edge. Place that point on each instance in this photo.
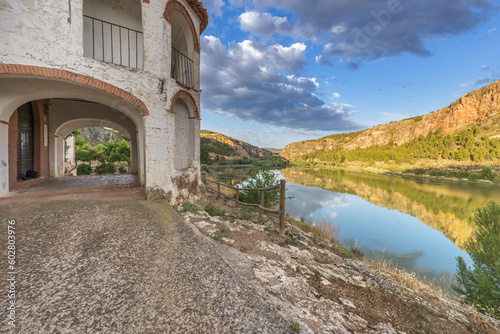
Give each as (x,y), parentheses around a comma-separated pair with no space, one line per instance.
(469,109)
(240,148)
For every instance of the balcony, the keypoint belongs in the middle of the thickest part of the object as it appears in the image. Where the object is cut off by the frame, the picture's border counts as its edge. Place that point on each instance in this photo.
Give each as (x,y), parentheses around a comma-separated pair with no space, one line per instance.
(182,69)
(112,43)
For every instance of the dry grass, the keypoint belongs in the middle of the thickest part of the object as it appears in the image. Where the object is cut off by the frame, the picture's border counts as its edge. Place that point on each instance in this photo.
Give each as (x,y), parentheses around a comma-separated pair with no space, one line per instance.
(320,228)
(326,230)
(410,280)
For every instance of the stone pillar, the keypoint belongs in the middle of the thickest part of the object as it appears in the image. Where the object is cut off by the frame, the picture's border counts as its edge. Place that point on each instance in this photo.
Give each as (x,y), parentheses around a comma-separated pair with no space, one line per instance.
(4,158)
(134,156)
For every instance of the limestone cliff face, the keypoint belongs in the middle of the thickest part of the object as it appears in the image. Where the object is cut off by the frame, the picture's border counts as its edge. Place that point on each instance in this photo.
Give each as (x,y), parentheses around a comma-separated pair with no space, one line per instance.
(242,149)
(469,109)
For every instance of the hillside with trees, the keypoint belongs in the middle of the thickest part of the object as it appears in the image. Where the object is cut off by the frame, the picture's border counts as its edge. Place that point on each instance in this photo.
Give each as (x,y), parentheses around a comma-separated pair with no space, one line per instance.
(475,144)
(465,131)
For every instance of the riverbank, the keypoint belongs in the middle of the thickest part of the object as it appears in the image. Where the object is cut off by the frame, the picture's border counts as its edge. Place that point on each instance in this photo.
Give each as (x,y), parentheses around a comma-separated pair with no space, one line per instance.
(318,285)
(486,174)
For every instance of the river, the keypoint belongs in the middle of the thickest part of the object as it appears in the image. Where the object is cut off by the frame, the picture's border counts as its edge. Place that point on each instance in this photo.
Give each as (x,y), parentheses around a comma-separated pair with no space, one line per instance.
(419,225)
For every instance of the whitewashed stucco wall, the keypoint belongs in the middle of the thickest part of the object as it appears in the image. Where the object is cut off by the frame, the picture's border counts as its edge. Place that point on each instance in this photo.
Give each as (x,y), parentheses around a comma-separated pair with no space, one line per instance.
(49,33)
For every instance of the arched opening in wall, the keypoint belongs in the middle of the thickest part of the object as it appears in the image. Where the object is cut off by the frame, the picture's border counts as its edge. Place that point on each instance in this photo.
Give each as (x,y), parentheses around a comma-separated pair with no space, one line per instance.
(182,51)
(97,151)
(59,107)
(184,136)
(112,32)
(43,142)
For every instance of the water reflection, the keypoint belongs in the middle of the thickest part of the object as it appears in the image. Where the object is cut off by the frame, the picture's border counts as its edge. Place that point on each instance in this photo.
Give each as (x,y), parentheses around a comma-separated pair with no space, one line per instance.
(234,174)
(383,215)
(446,207)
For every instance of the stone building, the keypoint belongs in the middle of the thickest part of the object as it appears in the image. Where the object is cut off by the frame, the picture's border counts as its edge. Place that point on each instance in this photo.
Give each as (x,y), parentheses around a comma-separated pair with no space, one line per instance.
(130,65)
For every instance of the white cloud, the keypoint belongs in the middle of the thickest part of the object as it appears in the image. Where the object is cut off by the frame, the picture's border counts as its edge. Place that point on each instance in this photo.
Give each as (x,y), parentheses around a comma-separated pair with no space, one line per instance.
(214,6)
(364,30)
(338,29)
(254,82)
(263,24)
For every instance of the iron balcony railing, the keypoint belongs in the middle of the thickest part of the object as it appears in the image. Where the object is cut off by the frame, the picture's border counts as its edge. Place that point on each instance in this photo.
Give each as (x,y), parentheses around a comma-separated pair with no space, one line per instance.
(112,43)
(182,69)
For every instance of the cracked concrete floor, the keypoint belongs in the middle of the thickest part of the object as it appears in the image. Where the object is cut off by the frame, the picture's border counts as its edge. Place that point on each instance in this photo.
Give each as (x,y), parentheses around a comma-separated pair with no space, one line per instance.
(108,262)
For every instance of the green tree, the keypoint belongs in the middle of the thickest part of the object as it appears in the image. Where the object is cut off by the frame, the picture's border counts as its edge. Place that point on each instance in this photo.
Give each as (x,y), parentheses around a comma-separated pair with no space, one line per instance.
(480,285)
(264,179)
(204,156)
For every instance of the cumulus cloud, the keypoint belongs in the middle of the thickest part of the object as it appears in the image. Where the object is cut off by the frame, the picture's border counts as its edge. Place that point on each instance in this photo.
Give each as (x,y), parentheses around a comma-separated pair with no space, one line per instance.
(365,30)
(263,24)
(214,6)
(251,81)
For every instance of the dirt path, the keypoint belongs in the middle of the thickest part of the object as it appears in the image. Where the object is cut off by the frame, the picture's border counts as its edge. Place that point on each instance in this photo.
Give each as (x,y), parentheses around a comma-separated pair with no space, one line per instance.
(87,264)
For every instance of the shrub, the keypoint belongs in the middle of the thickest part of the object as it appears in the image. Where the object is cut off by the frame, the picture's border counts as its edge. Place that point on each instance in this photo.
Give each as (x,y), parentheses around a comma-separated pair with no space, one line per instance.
(463,174)
(474,176)
(189,207)
(436,172)
(480,286)
(264,179)
(122,170)
(487,174)
(418,171)
(105,169)
(83,169)
(214,211)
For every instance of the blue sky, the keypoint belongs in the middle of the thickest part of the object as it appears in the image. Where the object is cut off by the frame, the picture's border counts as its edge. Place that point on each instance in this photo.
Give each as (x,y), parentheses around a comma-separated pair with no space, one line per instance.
(278,71)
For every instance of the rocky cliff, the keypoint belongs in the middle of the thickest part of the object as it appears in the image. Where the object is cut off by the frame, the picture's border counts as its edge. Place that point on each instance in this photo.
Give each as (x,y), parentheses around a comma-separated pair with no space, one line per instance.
(471,108)
(237,149)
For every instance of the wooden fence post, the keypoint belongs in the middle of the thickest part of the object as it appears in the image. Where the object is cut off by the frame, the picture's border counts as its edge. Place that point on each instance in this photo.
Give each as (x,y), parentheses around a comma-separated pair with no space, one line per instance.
(237,198)
(282,208)
(261,201)
(218,190)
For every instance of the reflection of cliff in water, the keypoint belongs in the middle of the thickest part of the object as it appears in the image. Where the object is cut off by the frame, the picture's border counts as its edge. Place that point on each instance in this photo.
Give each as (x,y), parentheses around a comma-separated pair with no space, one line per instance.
(232,175)
(446,207)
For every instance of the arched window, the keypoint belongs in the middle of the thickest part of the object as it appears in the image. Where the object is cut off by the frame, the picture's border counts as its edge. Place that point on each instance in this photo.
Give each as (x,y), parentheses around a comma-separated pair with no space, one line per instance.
(184,136)
(182,50)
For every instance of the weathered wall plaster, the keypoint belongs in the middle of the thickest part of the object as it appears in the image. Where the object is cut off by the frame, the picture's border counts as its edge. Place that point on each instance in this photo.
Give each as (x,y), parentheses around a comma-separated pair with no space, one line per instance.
(49,34)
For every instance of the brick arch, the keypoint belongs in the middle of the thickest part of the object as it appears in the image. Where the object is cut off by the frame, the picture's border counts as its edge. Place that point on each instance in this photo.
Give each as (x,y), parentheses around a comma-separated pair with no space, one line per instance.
(175,6)
(188,98)
(81,79)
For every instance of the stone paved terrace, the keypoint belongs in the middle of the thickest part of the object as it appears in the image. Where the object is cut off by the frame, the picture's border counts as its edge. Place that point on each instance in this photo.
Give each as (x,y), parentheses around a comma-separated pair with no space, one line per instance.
(96,259)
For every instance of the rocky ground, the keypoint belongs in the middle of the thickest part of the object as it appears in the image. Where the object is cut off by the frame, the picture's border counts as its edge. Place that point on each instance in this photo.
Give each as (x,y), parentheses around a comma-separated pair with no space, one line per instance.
(109,262)
(317,285)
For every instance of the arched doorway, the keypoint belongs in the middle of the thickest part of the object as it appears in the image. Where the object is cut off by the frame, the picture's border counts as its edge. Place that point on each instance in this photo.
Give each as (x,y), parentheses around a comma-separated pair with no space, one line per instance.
(184,136)
(58,107)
